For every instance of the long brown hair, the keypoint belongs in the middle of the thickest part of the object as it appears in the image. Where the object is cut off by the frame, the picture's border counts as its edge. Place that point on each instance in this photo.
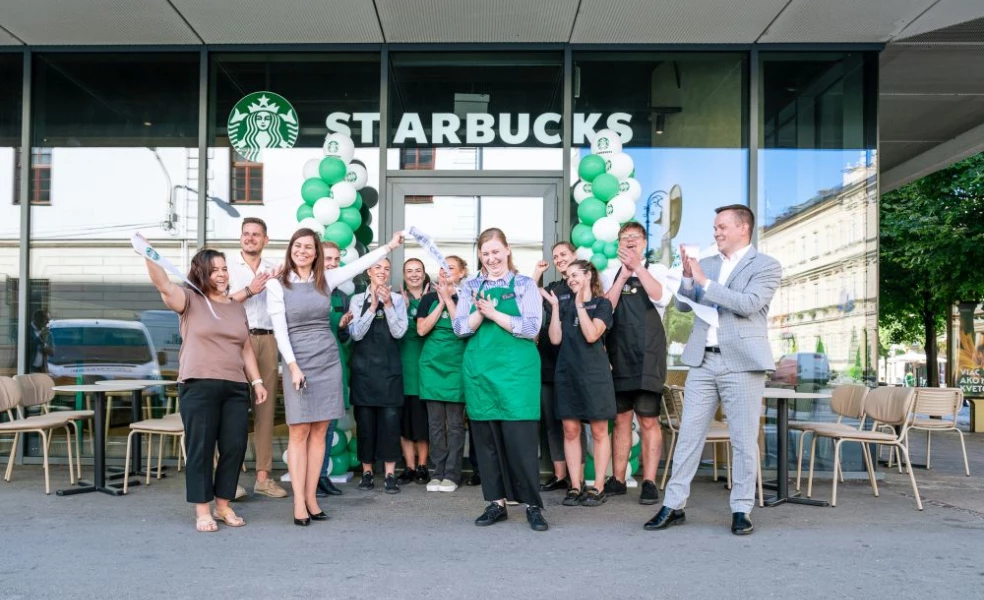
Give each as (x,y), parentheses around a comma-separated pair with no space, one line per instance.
(494,233)
(425,284)
(588,267)
(318,267)
(201,269)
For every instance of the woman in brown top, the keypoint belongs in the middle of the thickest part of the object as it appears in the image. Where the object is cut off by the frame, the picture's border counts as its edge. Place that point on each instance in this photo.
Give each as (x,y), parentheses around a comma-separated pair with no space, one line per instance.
(214,365)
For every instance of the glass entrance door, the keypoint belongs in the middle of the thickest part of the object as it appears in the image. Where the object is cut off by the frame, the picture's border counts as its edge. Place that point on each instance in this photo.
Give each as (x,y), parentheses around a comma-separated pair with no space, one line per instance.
(454,210)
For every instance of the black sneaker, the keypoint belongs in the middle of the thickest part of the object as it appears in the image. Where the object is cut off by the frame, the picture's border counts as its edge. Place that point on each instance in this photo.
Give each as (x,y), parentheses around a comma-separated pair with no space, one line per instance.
(407,475)
(650,493)
(392,487)
(534,515)
(614,487)
(554,484)
(367,482)
(422,475)
(573,497)
(474,480)
(494,513)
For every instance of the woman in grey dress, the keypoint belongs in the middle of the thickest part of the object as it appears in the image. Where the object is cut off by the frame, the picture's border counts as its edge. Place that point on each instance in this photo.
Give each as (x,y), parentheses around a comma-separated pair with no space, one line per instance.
(299,302)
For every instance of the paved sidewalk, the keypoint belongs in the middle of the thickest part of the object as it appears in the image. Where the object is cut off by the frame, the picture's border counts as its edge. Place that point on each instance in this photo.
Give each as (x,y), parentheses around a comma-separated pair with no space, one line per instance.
(424,545)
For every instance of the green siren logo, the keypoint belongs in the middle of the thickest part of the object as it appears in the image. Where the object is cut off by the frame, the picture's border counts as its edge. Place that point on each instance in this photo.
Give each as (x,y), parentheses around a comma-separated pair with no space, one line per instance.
(262,120)
(602,144)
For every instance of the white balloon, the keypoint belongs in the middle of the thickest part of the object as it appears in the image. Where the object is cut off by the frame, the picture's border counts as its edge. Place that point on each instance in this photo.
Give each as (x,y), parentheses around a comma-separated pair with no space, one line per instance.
(312,224)
(631,188)
(605,229)
(344,194)
(347,422)
(348,434)
(606,142)
(347,287)
(357,176)
(311,168)
(621,207)
(284,457)
(582,191)
(584,253)
(340,146)
(636,440)
(326,210)
(628,470)
(620,165)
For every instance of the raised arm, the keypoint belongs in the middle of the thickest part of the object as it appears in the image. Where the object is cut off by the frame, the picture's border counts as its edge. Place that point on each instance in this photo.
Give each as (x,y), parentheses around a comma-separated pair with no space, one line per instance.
(336,277)
(466,322)
(172,294)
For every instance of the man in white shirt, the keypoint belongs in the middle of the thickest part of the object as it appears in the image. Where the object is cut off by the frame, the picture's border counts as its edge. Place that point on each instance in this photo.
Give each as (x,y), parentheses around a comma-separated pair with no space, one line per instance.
(728,362)
(637,349)
(248,274)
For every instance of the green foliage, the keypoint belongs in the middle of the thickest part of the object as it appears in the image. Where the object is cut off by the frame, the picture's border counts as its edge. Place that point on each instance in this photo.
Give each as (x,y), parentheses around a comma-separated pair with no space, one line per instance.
(820,349)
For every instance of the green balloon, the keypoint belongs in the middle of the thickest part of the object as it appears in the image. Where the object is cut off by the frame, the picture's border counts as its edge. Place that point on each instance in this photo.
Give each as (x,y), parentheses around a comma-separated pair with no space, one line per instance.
(304,211)
(353,459)
(332,169)
(339,445)
(351,217)
(364,235)
(591,210)
(358,201)
(313,189)
(598,247)
(590,167)
(580,236)
(340,464)
(611,249)
(353,445)
(589,468)
(634,465)
(634,452)
(604,187)
(600,261)
(340,233)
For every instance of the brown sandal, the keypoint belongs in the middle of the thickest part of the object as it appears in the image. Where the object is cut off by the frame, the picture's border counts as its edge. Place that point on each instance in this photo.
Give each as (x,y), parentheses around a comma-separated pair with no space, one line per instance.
(206,524)
(228,516)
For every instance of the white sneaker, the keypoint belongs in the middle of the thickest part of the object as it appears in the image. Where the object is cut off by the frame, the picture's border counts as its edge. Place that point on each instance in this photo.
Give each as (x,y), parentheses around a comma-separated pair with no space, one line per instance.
(447,486)
(434,485)
(512,503)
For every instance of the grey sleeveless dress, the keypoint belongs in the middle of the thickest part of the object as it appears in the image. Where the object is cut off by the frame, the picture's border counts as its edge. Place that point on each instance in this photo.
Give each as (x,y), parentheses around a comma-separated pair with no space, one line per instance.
(316,352)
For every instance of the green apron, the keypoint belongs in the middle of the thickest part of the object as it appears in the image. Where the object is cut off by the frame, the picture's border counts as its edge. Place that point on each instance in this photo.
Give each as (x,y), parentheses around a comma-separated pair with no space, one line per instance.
(501,371)
(410,346)
(440,362)
(339,306)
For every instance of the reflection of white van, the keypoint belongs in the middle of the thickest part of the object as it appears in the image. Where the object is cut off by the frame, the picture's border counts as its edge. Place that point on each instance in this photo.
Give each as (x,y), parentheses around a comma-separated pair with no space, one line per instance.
(164,333)
(102,349)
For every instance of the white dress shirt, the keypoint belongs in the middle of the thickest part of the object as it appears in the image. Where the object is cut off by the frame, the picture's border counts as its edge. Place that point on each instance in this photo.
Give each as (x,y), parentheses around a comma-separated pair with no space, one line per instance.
(727,268)
(396,315)
(240,276)
(658,271)
(333,278)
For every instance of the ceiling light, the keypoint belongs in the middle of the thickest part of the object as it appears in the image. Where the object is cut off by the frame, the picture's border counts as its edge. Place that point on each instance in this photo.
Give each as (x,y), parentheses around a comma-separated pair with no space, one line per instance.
(660,123)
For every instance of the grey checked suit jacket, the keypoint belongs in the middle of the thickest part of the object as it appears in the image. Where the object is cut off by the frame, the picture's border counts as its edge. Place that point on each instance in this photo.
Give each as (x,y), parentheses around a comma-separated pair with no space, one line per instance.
(743,307)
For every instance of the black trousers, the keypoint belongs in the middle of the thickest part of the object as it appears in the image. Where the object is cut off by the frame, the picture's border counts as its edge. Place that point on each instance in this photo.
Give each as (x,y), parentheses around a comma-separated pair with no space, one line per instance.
(447,438)
(507,455)
(377,429)
(215,413)
(472,454)
(552,429)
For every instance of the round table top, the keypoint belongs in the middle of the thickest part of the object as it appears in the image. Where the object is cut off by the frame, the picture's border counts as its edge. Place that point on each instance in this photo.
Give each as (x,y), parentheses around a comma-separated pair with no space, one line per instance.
(773,393)
(97,388)
(142,382)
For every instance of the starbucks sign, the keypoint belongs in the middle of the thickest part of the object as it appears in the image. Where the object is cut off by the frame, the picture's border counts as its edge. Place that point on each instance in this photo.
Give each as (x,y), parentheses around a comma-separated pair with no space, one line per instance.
(259,121)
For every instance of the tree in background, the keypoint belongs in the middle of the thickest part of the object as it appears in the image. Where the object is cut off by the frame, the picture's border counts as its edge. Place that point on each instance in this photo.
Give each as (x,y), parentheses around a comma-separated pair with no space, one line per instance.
(932,250)
(820,349)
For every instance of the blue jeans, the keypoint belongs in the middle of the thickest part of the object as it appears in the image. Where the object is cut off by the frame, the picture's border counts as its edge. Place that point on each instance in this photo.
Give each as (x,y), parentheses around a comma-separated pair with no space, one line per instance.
(328,437)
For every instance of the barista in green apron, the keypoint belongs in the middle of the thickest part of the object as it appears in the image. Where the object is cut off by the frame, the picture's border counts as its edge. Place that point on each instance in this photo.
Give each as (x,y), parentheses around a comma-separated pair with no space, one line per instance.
(339,319)
(500,312)
(440,378)
(413,424)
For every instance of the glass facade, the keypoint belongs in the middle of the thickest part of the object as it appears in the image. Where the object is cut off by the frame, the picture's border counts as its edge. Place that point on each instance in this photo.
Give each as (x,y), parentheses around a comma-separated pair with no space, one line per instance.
(124,141)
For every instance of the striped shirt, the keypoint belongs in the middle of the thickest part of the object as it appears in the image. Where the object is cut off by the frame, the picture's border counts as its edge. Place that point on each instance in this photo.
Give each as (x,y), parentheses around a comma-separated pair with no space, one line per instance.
(526,326)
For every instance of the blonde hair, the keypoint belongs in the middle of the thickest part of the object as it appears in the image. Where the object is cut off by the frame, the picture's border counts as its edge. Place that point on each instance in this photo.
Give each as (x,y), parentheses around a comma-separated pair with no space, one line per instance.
(494,233)
(462,265)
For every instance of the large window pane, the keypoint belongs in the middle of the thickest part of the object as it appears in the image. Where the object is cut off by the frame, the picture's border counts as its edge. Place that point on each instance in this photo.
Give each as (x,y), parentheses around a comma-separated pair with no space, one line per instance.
(471,111)
(681,119)
(114,151)
(10,138)
(817,215)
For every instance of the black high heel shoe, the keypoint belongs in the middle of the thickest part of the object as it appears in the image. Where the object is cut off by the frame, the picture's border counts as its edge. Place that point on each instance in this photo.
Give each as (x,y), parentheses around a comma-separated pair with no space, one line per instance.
(302,522)
(321,516)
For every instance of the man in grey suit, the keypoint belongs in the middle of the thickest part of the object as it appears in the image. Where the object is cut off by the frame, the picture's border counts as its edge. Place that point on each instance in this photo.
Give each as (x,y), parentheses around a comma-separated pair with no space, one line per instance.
(727,362)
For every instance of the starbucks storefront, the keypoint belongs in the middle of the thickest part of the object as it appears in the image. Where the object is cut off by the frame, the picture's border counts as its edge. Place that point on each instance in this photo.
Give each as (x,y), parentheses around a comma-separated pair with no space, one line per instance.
(182,145)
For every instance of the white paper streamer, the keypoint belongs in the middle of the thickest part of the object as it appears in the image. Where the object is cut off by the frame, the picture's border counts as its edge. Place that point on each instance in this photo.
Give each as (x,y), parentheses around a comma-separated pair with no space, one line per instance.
(144,249)
(428,244)
(708,314)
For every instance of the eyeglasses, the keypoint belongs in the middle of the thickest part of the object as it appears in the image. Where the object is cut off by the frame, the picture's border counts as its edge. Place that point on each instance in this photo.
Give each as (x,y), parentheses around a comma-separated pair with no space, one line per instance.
(631,236)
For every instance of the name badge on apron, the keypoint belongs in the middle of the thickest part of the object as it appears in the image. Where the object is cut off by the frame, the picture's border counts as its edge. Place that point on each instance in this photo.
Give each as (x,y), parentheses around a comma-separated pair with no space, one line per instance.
(564,297)
(380,314)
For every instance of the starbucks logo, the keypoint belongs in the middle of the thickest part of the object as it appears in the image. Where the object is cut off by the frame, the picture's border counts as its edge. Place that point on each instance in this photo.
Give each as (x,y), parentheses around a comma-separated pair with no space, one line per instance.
(262,120)
(331,147)
(603,143)
(609,209)
(587,188)
(445,315)
(152,254)
(623,186)
(413,313)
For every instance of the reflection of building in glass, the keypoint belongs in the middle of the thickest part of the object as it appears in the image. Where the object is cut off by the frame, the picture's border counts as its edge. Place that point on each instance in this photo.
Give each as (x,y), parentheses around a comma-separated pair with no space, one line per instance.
(828,250)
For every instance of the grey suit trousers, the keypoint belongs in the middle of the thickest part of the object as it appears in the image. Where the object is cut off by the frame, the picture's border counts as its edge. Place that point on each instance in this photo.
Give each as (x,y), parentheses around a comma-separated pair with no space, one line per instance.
(741,395)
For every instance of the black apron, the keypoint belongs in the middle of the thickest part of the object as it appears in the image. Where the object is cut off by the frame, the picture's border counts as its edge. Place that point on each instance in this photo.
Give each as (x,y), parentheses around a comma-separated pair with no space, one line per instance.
(583,380)
(637,342)
(548,352)
(376,369)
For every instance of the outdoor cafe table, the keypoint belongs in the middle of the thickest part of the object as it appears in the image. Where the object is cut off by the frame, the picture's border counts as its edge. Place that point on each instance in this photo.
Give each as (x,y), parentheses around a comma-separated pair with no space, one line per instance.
(782,397)
(136,446)
(98,393)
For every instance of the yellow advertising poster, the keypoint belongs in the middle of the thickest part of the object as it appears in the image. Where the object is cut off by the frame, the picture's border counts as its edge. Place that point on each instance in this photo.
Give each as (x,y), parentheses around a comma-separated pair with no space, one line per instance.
(969,367)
